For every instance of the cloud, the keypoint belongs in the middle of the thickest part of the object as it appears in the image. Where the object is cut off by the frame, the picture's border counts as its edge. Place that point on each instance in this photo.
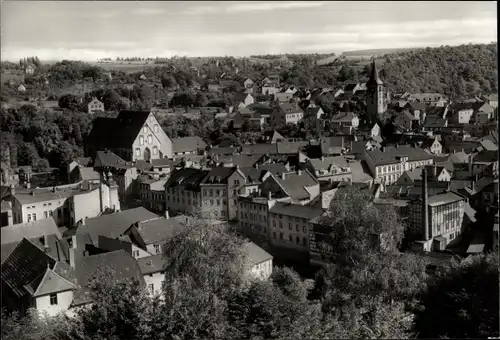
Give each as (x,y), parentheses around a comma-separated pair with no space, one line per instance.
(251,7)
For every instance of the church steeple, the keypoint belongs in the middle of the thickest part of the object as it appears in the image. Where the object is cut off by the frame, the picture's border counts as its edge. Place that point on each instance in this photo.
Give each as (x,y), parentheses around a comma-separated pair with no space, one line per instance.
(374,78)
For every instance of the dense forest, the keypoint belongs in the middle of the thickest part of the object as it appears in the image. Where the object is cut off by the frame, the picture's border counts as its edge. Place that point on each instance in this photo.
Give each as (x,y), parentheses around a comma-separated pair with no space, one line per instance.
(365,294)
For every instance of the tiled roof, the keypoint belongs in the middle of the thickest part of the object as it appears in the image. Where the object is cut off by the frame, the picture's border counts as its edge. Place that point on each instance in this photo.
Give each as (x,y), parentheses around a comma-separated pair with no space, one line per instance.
(360,172)
(152,264)
(489,145)
(295,210)
(114,225)
(289,108)
(218,175)
(343,117)
(241,160)
(158,184)
(290,147)
(26,263)
(444,198)
(459,158)
(35,229)
(259,149)
(274,168)
(294,184)
(89,174)
(486,157)
(107,158)
(326,162)
(188,144)
(119,132)
(50,282)
(434,122)
(158,229)
(83,161)
(388,156)
(332,145)
(122,265)
(188,178)
(312,111)
(256,254)
(222,151)
(45,194)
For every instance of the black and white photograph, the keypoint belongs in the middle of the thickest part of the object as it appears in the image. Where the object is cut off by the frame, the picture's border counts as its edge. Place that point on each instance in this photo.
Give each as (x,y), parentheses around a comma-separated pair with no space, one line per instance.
(222,170)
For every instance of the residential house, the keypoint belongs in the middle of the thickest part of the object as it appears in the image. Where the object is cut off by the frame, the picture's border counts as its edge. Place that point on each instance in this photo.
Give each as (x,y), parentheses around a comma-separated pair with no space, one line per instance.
(283,97)
(350,89)
(95,105)
(152,194)
(11,235)
(462,112)
(243,100)
(65,204)
(300,187)
(429,99)
(414,177)
(333,146)
(153,272)
(491,100)
(485,163)
(218,151)
(432,145)
(71,169)
(270,89)
(183,192)
(330,169)
(289,225)
(345,119)
(21,88)
(388,164)
(417,110)
(405,121)
(188,145)
(287,113)
(6,214)
(30,69)
(435,123)
(133,135)
(259,261)
(314,111)
(220,189)
(272,137)
(113,225)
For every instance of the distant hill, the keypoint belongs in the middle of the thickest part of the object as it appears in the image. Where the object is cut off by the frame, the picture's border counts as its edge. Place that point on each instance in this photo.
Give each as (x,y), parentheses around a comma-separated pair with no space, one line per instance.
(377,52)
(457,71)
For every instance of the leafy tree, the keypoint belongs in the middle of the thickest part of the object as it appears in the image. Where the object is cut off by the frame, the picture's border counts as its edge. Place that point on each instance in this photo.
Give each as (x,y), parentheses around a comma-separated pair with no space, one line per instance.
(463,302)
(69,101)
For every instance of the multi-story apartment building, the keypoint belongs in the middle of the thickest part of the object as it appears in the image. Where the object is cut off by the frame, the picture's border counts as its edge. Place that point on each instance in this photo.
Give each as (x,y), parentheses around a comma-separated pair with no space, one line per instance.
(183,192)
(220,190)
(300,187)
(133,135)
(65,204)
(289,225)
(388,164)
(330,169)
(152,192)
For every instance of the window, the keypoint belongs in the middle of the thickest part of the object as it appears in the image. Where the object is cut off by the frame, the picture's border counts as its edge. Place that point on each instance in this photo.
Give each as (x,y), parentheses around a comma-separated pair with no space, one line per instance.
(141,141)
(281,236)
(217,192)
(45,214)
(145,129)
(155,151)
(156,128)
(29,217)
(211,192)
(274,223)
(135,253)
(236,182)
(289,226)
(297,227)
(218,202)
(50,213)
(34,216)
(151,288)
(297,239)
(150,139)
(157,248)
(53,299)
(211,202)
(304,241)
(290,238)
(216,213)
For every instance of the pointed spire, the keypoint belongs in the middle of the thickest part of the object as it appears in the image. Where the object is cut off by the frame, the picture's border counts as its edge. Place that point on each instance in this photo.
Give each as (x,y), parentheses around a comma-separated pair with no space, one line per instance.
(374,78)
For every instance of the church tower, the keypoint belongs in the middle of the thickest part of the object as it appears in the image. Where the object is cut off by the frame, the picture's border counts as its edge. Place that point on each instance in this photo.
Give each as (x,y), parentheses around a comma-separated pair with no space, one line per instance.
(375,99)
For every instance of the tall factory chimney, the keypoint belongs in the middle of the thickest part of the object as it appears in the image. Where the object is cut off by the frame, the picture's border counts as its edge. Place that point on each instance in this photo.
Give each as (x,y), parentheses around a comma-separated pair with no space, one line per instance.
(425,214)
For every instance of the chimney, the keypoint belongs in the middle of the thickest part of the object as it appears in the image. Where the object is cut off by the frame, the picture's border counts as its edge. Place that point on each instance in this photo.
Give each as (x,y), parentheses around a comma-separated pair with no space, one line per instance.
(45,243)
(322,158)
(12,189)
(383,149)
(299,172)
(283,176)
(54,189)
(86,253)
(473,185)
(257,166)
(434,170)
(269,195)
(397,145)
(167,216)
(425,214)
(28,185)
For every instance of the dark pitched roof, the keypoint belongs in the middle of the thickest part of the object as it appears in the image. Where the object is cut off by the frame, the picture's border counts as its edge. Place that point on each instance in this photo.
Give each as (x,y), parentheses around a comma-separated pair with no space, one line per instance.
(119,132)
(114,225)
(390,155)
(158,229)
(296,210)
(222,151)
(288,108)
(35,229)
(256,254)
(274,168)
(188,144)
(152,264)
(121,265)
(259,149)
(332,145)
(286,148)
(107,158)
(486,156)
(188,178)
(294,184)
(25,264)
(218,175)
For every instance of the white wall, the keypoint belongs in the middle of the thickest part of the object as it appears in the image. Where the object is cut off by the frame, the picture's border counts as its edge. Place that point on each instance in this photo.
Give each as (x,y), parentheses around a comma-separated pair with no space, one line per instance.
(142,252)
(86,205)
(156,280)
(64,300)
(262,270)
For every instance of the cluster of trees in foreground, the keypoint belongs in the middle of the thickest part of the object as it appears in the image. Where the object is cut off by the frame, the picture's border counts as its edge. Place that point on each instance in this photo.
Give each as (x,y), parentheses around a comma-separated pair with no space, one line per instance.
(364,293)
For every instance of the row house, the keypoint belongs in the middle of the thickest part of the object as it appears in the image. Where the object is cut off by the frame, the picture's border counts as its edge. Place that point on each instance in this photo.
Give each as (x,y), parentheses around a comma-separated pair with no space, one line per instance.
(429,99)
(183,192)
(133,135)
(388,164)
(464,112)
(152,193)
(330,169)
(289,225)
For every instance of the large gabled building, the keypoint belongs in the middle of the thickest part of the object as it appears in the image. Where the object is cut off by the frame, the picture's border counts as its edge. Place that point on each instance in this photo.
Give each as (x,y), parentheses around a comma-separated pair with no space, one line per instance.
(133,135)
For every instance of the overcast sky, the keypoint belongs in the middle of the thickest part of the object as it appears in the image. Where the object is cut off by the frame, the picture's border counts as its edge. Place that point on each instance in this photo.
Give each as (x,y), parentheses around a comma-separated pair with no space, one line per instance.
(89,30)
